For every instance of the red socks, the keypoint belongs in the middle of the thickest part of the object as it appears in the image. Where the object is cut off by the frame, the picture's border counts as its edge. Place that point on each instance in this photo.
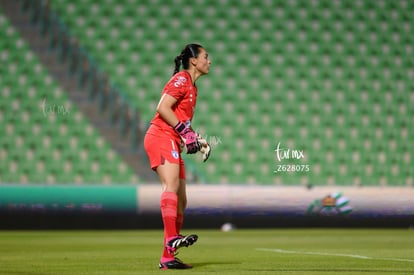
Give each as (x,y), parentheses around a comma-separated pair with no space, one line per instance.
(172,221)
(168,205)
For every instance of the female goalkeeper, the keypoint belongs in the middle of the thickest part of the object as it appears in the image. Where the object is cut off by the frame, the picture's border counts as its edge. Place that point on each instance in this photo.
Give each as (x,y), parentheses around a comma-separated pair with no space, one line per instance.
(169,132)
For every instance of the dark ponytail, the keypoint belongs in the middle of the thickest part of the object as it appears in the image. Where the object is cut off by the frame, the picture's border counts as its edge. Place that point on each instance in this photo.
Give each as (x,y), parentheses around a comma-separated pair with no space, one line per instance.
(178,60)
(190,50)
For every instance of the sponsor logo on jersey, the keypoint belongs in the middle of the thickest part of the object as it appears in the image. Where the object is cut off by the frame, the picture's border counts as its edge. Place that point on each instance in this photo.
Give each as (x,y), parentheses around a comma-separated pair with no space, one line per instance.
(180,81)
(174,154)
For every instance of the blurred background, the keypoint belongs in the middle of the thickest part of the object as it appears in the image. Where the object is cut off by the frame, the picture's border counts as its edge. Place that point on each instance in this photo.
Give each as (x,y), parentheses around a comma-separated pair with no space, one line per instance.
(301,95)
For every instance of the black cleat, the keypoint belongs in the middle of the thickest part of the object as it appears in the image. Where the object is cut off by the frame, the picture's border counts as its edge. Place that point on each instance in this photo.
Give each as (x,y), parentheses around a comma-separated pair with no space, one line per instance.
(179,241)
(174,264)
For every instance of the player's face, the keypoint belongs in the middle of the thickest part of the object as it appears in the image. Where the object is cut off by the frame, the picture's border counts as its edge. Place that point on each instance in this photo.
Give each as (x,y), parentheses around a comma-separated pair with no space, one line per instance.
(203,62)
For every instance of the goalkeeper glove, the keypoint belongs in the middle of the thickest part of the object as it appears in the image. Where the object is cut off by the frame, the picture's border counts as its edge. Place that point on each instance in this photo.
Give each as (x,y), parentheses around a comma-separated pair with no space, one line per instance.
(189,138)
(205,148)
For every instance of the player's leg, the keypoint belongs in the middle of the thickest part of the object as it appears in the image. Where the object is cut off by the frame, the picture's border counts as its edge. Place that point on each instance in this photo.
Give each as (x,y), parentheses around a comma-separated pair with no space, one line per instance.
(168,174)
(182,198)
(182,204)
(174,243)
(173,196)
(169,177)
(165,160)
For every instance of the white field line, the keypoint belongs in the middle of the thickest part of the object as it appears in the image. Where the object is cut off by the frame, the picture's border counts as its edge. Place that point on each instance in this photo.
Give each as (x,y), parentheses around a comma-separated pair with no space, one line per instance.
(276,250)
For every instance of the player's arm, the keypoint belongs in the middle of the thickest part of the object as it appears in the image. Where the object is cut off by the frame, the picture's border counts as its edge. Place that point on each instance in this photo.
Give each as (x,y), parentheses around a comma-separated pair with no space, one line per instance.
(165,109)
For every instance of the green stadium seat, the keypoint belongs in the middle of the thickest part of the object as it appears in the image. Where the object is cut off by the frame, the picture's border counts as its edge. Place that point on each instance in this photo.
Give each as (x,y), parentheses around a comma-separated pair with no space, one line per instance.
(39,143)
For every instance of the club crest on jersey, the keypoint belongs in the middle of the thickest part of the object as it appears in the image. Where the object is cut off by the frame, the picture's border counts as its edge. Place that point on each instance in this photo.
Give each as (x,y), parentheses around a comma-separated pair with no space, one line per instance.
(174,154)
(180,81)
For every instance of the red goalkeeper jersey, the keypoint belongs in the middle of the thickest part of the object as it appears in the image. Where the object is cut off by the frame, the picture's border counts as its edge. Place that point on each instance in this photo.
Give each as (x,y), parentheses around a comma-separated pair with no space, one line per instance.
(180,87)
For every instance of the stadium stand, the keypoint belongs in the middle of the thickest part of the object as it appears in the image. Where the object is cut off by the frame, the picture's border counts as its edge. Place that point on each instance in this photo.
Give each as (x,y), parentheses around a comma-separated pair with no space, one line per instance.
(45,139)
(330,79)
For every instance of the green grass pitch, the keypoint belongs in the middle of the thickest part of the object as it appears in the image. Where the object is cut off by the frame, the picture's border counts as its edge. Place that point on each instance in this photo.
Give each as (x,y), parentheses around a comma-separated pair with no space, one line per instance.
(279,251)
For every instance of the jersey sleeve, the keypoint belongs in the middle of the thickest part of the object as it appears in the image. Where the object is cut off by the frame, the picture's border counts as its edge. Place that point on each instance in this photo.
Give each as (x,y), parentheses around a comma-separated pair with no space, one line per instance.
(177,86)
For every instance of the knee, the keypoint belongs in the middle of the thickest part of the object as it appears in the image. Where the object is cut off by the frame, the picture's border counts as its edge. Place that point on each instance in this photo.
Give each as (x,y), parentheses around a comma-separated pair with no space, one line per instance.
(170,185)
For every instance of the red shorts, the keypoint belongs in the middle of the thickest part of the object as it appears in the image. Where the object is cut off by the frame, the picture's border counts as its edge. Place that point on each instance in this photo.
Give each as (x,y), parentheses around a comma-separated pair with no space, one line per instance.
(161,149)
